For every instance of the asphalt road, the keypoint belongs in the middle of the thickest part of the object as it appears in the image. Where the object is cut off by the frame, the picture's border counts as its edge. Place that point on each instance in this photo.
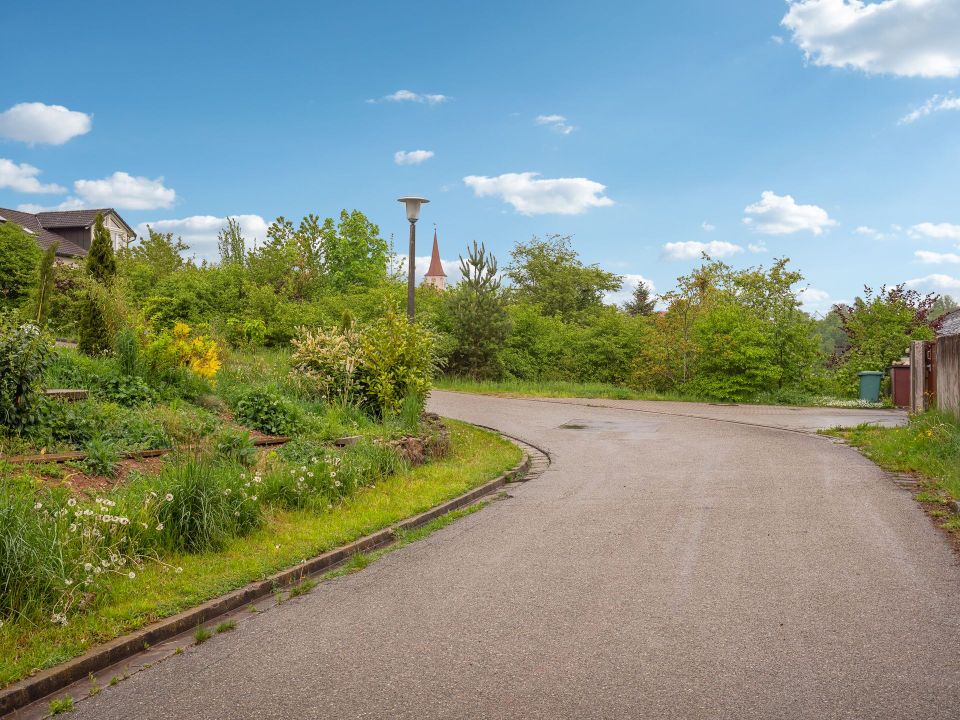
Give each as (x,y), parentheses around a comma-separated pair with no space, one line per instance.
(675,561)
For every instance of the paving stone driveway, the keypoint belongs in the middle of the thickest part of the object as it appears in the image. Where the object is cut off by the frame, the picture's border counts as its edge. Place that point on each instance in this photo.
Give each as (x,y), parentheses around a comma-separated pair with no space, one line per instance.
(675,561)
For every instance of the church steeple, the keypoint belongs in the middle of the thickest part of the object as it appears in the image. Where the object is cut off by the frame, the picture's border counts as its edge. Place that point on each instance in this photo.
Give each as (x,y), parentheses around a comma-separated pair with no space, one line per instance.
(435,276)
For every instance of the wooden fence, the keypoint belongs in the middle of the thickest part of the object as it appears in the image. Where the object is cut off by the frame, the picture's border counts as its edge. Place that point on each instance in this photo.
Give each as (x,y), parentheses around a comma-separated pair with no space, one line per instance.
(948,374)
(935,375)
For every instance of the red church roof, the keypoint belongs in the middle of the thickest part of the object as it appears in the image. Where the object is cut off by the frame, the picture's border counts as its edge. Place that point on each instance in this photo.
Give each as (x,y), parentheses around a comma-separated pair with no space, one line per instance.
(436,267)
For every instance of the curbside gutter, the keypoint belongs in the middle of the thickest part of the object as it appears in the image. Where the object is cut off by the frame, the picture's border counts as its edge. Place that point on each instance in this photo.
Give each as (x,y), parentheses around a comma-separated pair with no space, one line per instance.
(51,680)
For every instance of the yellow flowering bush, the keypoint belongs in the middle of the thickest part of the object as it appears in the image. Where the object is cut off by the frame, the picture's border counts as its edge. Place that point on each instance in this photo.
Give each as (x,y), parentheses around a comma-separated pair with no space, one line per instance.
(181,347)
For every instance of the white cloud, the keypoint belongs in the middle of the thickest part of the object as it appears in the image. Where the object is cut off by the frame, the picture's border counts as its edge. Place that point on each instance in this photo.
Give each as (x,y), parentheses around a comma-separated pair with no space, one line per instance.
(938,231)
(23,178)
(708,227)
(814,300)
(421,264)
(870,232)
(777,39)
(935,104)
(200,231)
(125,192)
(410,96)
(413,157)
(38,123)
(936,258)
(760,247)
(530,196)
(557,123)
(71,203)
(692,250)
(914,38)
(630,282)
(781,215)
(936,281)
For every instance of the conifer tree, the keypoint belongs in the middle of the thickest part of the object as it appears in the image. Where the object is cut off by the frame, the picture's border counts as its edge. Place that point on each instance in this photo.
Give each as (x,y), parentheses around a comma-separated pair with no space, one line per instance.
(101,268)
(44,291)
(478,309)
(640,303)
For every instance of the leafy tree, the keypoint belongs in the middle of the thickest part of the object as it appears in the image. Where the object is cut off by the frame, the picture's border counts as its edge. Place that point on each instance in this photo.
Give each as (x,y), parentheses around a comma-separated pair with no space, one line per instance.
(26,352)
(478,308)
(549,273)
(879,328)
(19,255)
(641,302)
(231,243)
(354,255)
(45,284)
(101,262)
(291,259)
(150,260)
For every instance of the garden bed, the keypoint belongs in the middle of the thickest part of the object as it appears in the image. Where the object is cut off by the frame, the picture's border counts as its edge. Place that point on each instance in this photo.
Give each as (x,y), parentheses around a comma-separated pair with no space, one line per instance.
(178,580)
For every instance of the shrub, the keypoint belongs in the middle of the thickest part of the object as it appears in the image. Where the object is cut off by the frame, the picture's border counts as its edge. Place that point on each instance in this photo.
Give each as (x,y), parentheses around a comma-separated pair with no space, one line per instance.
(126,390)
(102,457)
(24,355)
(237,446)
(170,351)
(246,332)
(19,258)
(268,412)
(326,360)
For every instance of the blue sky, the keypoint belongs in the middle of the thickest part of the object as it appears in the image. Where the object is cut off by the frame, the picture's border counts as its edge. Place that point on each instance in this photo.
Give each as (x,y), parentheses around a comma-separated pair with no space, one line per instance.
(824,130)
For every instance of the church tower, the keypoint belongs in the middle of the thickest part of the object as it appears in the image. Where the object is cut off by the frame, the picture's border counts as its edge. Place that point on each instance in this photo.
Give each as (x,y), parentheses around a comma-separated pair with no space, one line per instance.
(435,276)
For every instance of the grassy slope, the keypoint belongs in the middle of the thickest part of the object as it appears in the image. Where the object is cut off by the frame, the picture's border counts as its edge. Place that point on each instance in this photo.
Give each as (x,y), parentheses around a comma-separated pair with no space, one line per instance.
(286,538)
(928,445)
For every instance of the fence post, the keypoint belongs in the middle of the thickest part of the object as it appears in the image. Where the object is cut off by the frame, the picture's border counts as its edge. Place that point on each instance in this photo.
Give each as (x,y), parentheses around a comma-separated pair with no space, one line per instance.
(948,373)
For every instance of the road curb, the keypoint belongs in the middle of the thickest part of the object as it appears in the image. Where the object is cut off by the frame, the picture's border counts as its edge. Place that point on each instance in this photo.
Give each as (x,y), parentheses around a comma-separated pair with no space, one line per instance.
(51,680)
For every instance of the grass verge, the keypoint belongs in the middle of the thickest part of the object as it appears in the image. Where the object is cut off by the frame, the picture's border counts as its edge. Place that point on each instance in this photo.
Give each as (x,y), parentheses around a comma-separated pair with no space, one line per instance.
(565,389)
(929,446)
(286,538)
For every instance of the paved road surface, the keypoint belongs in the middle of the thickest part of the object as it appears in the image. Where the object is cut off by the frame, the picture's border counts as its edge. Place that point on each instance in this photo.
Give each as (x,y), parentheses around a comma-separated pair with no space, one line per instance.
(665,566)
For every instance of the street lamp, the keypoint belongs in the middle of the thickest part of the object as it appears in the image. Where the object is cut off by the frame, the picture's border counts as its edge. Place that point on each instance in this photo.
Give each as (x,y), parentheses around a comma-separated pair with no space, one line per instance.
(413,204)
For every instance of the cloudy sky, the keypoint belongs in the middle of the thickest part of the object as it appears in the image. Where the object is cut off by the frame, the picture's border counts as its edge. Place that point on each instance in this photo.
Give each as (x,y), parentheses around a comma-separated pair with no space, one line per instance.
(827,131)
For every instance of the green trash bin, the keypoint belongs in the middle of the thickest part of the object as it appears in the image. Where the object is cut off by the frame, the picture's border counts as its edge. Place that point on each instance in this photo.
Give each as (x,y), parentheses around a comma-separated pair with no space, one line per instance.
(870,385)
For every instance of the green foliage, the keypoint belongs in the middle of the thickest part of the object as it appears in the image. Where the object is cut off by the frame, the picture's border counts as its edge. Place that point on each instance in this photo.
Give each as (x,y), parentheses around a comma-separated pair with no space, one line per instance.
(236,446)
(641,302)
(880,327)
(941,306)
(203,503)
(480,322)
(25,352)
(397,360)
(102,457)
(42,295)
(101,263)
(326,361)
(268,411)
(150,260)
(246,332)
(19,257)
(548,273)
(232,244)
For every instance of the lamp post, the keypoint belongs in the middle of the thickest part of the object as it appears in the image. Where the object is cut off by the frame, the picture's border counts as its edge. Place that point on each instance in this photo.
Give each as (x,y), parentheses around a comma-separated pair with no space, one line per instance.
(413,204)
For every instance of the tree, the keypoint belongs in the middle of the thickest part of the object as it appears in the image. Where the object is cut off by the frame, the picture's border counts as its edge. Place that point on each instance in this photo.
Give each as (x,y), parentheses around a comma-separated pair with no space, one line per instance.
(354,256)
(231,243)
(19,256)
(45,283)
(101,267)
(150,260)
(880,326)
(941,306)
(478,309)
(101,262)
(548,273)
(640,302)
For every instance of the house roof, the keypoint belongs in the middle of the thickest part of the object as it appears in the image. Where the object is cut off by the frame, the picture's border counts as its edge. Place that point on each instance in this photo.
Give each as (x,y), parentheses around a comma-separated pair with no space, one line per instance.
(77,218)
(45,238)
(436,267)
(950,323)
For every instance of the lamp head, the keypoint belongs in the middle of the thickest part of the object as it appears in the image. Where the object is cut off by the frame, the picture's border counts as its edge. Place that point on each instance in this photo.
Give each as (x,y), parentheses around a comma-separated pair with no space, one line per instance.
(413,204)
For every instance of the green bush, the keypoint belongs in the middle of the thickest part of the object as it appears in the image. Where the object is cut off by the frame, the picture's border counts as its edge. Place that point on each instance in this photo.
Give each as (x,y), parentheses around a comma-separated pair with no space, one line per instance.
(267,411)
(19,259)
(246,332)
(236,446)
(102,457)
(24,355)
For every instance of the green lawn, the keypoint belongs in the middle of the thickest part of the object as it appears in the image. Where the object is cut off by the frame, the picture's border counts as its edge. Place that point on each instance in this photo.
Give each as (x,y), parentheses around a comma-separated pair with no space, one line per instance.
(286,538)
